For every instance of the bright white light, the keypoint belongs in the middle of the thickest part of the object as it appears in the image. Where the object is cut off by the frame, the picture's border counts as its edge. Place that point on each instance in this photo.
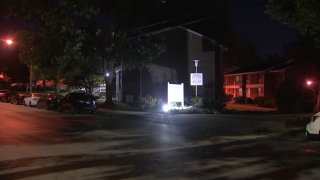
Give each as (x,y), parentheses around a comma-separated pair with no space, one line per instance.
(309,83)
(196,63)
(175,93)
(165,108)
(9,41)
(107,74)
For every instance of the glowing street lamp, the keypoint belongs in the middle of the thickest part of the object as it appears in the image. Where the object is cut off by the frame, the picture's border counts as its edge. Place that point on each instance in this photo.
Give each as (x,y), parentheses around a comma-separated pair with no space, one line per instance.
(309,83)
(9,42)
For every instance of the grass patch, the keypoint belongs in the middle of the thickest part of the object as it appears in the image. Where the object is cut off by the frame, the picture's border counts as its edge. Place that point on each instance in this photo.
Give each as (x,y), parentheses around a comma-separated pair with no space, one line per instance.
(298,121)
(281,132)
(117,106)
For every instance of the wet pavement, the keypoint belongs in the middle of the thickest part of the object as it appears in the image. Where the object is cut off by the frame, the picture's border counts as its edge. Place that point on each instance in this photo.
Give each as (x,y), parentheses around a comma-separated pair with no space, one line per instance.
(41,144)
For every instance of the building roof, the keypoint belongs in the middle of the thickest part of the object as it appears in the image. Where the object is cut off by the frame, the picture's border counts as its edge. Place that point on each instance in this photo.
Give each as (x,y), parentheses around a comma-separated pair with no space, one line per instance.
(271,67)
(165,26)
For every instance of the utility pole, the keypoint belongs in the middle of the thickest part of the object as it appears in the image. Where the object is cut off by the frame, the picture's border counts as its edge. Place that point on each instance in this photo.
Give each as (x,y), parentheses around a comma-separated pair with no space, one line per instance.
(30,79)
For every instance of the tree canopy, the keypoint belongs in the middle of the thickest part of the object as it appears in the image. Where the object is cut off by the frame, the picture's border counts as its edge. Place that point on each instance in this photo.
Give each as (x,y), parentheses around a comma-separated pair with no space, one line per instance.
(68,38)
(301,14)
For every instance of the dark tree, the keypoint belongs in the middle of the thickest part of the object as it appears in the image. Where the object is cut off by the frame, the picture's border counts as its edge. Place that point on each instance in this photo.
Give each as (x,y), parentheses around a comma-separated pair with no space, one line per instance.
(64,39)
(305,16)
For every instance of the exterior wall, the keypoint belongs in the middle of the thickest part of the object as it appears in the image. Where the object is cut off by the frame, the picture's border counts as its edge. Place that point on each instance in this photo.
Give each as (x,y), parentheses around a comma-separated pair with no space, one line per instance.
(183,47)
(174,66)
(249,84)
(206,57)
(261,83)
(255,84)
(272,83)
(233,85)
(171,67)
(162,74)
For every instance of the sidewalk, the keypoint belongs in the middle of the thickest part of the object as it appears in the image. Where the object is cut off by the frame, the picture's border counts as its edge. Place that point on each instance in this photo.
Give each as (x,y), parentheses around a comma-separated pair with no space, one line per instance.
(248,107)
(124,108)
(121,108)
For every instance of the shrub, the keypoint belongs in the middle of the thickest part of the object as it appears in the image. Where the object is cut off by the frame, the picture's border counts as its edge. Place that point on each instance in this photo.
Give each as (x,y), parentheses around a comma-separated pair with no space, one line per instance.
(239,99)
(214,104)
(197,102)
(228,97)
(148,102)
(293,97)
(259,100)
(250,101)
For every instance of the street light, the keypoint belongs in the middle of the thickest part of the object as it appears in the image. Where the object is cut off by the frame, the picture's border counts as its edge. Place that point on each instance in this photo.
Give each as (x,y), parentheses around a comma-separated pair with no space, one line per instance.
(309,83)
(9,42)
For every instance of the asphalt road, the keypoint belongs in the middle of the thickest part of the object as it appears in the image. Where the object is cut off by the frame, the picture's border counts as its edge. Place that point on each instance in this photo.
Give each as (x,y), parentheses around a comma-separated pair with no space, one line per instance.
(41,144)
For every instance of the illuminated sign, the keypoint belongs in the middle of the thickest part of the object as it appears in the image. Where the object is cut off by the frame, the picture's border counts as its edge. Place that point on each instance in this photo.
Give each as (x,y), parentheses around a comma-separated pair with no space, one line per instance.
(175,94)
(196,79)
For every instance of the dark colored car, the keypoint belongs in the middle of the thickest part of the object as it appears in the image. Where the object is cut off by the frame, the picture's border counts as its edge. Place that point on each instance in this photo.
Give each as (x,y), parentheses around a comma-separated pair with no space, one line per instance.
(16,98)
(49,102)
(11,97)
(4,95)
(76,102)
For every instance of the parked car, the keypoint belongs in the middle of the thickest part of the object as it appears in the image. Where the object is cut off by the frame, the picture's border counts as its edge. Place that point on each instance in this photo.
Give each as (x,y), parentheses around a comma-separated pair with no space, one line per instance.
(76,102)
(313,127)
(16,98)
(49,102)
(4,94)
(32,99)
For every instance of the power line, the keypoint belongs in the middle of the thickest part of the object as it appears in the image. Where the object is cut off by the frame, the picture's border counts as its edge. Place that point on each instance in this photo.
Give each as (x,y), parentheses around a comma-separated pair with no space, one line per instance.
(192,20)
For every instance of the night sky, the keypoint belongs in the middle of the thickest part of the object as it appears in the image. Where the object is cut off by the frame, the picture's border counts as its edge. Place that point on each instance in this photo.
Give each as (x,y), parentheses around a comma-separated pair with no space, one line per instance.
(247,18)
(267,35)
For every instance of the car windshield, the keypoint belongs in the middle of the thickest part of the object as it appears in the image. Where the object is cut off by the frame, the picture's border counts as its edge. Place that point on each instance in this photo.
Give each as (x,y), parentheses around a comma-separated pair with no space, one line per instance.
(83,96)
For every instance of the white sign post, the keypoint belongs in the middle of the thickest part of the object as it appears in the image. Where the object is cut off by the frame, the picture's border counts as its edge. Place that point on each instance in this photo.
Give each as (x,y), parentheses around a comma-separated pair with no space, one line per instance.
(175,94)
(196,79)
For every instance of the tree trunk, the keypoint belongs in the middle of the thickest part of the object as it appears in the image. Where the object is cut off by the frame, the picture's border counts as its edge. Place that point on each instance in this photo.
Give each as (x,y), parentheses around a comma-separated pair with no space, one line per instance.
(317,106)
(44,84)
(244,88)
(109,91)
(55,84)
